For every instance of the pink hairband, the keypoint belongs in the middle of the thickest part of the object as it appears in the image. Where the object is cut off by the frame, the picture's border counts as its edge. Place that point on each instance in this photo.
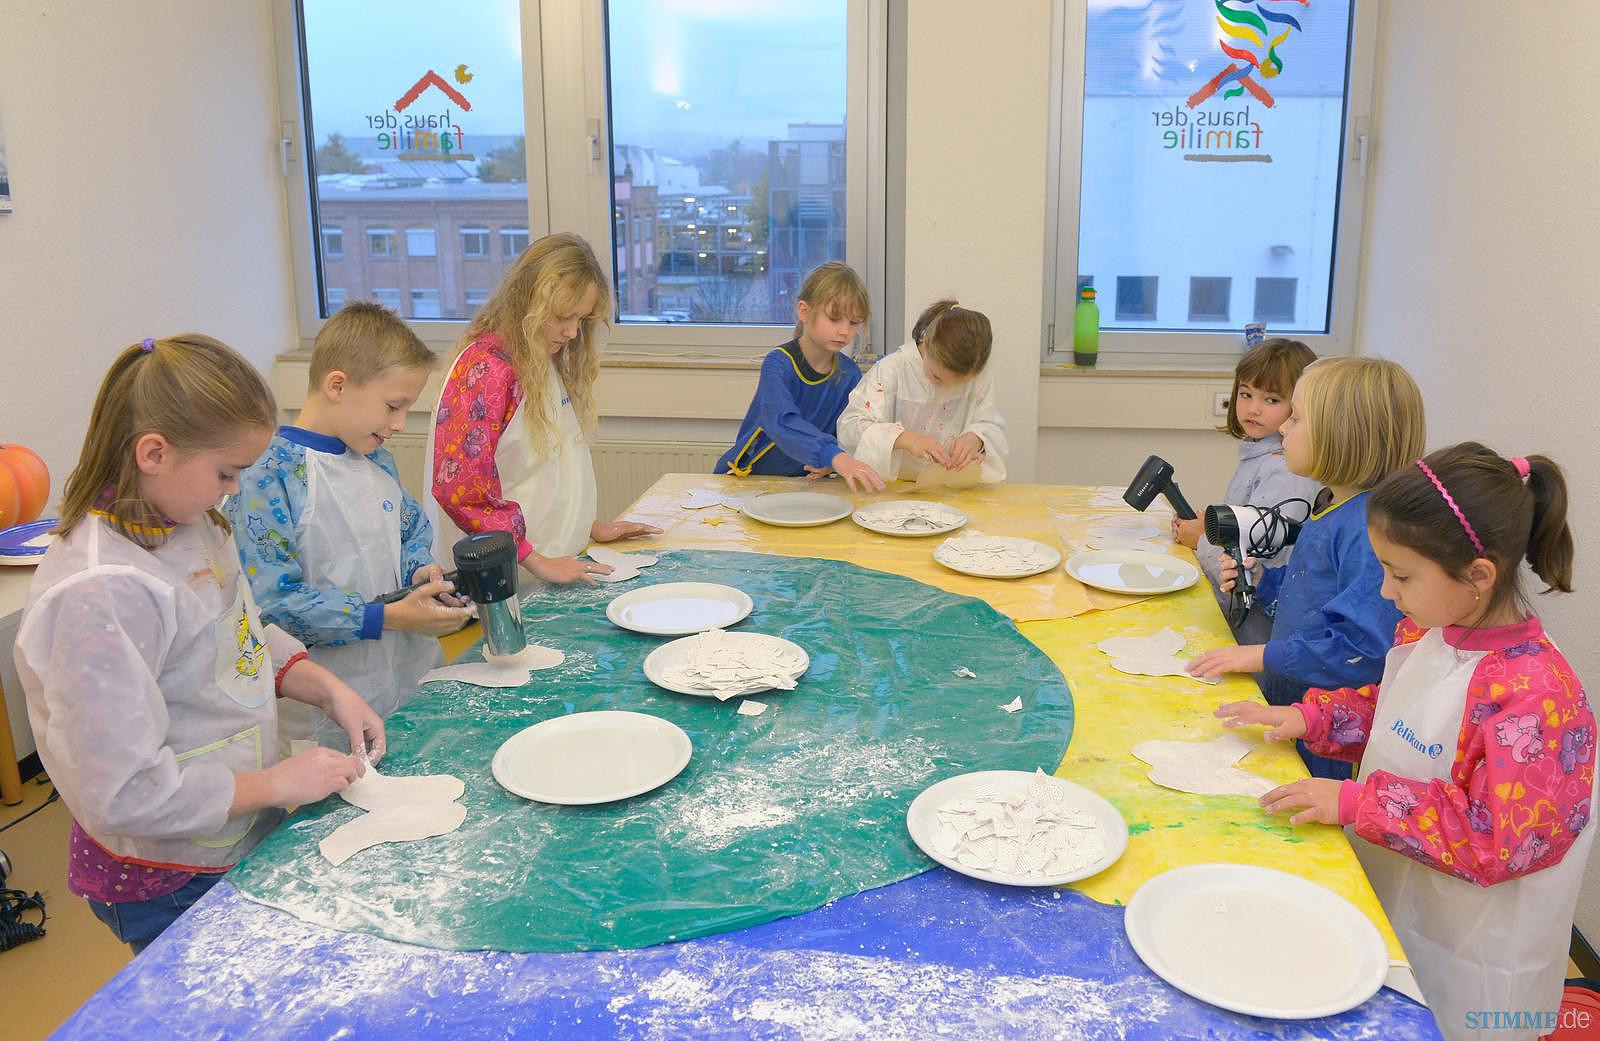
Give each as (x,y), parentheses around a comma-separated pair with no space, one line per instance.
(1450,502)
(1522,466)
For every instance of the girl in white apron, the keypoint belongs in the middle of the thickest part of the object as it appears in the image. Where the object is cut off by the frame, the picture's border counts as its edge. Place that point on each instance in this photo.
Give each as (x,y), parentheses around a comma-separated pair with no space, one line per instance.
(509,443)
(1471,809)
(149,675)
(931,403)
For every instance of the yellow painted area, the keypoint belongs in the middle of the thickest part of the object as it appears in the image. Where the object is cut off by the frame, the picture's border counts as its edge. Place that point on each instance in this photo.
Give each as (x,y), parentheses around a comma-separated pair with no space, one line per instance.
(1113,712)
(1051,514)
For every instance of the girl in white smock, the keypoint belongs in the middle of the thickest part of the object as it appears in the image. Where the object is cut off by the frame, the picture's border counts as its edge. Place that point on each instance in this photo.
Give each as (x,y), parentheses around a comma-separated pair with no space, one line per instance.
(509,445)
(1471,810)
(931,403)
(149,676)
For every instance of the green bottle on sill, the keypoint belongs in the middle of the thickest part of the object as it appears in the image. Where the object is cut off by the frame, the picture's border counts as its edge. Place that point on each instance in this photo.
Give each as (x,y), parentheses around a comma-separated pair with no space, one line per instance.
(1086,329)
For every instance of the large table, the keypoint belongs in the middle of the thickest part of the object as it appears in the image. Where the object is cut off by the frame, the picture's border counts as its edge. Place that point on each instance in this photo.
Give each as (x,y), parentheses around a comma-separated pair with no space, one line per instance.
(935,955)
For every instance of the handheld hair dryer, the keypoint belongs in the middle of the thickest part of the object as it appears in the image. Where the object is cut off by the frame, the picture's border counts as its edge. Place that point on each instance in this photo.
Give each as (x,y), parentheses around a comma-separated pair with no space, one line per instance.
(1251,531)
(487,566)
(1155,478)
(486,573)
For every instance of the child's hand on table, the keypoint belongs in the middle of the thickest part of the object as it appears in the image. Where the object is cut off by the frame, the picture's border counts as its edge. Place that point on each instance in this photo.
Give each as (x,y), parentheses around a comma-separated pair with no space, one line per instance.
(611,531)
(1318,795)
(1285,721)
(1218,660)
(854,470)
(564,570)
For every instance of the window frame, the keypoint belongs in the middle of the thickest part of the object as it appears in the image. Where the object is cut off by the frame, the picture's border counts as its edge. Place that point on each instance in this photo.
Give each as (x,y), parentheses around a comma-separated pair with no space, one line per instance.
(1178,348)
(477,230)
(565,122)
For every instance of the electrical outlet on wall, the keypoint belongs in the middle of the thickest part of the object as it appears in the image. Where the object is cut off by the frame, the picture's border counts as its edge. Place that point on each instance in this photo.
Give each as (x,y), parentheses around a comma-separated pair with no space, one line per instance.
(1219,404)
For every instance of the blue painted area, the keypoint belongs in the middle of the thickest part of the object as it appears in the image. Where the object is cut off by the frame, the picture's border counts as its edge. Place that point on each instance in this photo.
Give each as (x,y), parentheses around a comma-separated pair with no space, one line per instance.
(937,955)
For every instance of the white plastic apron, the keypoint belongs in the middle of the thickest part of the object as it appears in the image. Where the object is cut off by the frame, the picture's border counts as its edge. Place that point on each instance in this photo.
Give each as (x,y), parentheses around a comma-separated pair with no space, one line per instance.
(558,496)
(349,536)
(1473,949)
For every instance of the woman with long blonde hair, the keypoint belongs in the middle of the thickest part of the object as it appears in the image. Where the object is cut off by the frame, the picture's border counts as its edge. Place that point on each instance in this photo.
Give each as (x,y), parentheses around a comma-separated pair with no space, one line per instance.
(509,447)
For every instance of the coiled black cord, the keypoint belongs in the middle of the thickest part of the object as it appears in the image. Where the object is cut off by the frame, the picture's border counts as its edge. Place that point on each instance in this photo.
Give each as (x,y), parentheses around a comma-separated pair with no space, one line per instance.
(14,903)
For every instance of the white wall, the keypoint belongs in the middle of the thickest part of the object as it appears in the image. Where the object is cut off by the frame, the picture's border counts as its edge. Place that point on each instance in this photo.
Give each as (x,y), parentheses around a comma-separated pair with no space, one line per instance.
(977,110)
(142,145)
(141,141)
(1483,252)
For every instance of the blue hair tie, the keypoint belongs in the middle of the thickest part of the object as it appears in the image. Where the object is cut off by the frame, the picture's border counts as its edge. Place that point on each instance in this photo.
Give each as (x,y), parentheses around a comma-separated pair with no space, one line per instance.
(147,345)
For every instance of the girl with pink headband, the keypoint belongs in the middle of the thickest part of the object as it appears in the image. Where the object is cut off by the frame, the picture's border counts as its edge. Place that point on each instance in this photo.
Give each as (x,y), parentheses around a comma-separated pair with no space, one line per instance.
(1471,809)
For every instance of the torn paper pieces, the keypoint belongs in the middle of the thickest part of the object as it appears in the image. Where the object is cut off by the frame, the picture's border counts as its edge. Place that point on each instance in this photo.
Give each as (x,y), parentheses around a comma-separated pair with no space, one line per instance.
(725,667)
(399,809)
(911,518)
(1014,705)
(995,556)
(752,708)
(935,476)
(964,672)
(623,565)
(510,670)
(1203,767)
(1155,655)
(702,498)
(1032,835)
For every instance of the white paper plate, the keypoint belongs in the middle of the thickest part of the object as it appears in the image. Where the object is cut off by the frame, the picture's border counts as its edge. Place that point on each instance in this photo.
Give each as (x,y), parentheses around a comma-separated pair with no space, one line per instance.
(864,517)
(679,608)
(1132,571)
(591,757)
(922,820)
(797,509)
(1046,563)
(671,655)
(1256,941)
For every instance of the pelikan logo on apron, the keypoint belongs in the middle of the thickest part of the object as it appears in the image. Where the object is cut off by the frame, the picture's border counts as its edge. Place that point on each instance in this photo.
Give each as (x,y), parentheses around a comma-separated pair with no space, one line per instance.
(1432,751)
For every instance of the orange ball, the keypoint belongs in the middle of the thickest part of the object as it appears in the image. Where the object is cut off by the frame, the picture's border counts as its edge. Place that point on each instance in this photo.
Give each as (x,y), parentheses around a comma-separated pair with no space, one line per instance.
(24,485)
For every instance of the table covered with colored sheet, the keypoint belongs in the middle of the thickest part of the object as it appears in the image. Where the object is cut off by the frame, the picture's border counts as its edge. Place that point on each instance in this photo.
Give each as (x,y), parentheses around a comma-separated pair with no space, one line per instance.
(901,953)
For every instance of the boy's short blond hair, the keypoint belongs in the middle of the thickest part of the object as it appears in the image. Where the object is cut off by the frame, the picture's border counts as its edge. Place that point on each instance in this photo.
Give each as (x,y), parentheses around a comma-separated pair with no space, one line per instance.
(1364,417)
(363,340)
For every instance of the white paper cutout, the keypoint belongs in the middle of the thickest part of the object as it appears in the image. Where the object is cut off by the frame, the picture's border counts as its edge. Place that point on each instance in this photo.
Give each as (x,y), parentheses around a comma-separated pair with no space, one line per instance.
(496,670)
(935,476)
(997,555)
(726,669)
(1154,655)
(1014,705)
(1032,836)
(965,672)
(1203,767)
(1131,528)
(399,809)
(752,708)
(911,517)
(624,566)
(703,498)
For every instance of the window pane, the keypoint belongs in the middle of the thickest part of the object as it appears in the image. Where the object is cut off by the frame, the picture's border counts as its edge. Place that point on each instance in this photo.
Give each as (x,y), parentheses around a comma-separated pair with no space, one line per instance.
(1136,299)
(1212,138)
(475,242)
(333,243)
(1208,299)
(424,303)
(405,139)
(728,171)
(421,242)
(512,242)
(1275,298)
(389,298)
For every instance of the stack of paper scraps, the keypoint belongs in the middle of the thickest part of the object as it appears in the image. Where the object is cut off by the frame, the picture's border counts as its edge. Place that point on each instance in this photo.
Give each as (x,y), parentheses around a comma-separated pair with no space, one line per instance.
(1031,835)
(726,667)
(995,554)
(911,516)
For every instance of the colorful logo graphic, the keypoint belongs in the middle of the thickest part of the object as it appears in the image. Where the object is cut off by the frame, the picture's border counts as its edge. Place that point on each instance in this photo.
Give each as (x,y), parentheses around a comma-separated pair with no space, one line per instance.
(422,136)
(1251,36)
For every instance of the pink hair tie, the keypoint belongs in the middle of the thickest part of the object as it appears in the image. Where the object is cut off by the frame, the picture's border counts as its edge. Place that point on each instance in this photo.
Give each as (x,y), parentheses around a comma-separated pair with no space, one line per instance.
(1522,466)
(1448,501)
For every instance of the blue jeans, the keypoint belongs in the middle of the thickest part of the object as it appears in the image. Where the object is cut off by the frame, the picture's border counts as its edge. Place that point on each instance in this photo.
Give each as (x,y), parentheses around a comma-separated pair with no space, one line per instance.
(138,922)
